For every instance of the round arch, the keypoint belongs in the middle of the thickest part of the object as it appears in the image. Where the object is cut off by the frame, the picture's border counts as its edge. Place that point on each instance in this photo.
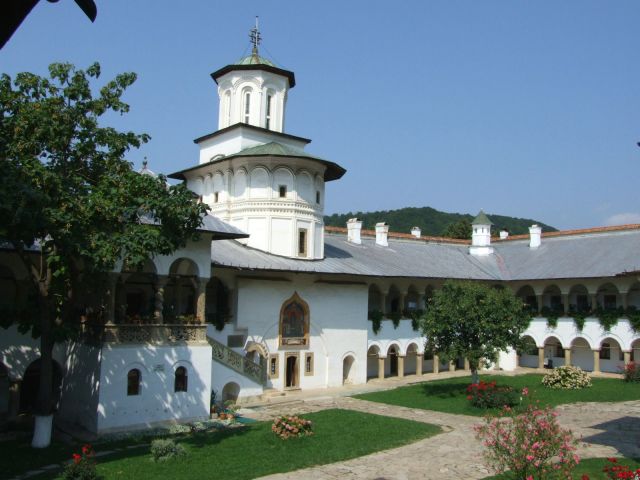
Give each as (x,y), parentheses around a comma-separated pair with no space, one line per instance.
(230,392)
(582,353)
(528,352)
(348,369)
(31,385)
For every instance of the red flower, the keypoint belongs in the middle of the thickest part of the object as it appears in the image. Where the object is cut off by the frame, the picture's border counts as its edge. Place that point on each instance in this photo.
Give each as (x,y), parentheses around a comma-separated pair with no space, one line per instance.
(76,458)
(86,449)
(584,477)
(612,460)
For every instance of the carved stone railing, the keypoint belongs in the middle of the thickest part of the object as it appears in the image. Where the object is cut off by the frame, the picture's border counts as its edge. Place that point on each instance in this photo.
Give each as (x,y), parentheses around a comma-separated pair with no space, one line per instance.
(244,366)
(150,333)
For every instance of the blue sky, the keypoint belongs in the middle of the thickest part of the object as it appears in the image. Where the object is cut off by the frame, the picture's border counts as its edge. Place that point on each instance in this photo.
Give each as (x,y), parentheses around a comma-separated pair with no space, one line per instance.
(530,109)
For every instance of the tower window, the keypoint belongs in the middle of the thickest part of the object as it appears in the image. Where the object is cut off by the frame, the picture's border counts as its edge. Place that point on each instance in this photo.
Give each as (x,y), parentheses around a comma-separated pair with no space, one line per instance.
(216,197)
(302,242)
(181,380)
(247,106)
(308,364)
(268,116)
(318,197)
(282,190)
(133,382)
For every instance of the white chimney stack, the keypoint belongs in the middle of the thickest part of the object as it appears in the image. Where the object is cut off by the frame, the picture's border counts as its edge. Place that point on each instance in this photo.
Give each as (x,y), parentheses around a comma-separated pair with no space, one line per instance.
(416,232)
(354,227)
(382,231)
(504,234)
(535,233)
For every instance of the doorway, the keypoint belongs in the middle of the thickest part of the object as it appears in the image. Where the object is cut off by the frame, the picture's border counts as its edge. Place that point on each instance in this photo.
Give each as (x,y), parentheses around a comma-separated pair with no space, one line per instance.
(291,372)
(393,363)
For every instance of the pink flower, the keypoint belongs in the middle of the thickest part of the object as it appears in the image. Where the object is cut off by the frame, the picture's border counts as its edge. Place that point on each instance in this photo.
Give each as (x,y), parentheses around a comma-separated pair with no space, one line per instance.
(525,391)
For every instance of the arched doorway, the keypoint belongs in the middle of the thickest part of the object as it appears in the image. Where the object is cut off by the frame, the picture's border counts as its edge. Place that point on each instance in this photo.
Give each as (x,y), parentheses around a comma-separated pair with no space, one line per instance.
(611,356)
(581,354)
(372,361)
(553,353)
(392,361)
(31,385)
(411,360)
(348,370)
(528,353)
(230,392)
(291,370)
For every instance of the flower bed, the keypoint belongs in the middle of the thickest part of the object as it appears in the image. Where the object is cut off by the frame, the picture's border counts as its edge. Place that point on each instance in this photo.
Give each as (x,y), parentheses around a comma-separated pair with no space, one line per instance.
(567,377)
(489,395)
(291,426)
(631,372)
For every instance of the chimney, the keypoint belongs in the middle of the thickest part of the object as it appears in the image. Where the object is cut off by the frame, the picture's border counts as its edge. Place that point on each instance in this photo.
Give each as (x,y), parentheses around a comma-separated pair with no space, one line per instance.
(416,232)
(382,230)
(354,226)
(481,235)
(535,233)
(504,234)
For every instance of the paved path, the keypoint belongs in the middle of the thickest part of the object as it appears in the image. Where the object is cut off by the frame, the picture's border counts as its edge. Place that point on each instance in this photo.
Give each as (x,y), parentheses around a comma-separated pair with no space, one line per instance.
(605,429)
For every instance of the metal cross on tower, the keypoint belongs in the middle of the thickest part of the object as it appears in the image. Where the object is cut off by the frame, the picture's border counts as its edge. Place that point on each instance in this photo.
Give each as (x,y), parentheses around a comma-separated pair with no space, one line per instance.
(255,37)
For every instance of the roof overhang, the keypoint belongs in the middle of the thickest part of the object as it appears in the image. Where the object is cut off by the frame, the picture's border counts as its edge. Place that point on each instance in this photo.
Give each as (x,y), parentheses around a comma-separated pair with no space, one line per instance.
(265,68)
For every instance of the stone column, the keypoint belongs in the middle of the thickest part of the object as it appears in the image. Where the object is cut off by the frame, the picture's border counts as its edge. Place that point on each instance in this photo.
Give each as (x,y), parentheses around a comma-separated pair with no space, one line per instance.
(201,299)
(567,356)
(466,364)
(110,299)
(540,357)
(624,297)
(14,398)
(403,296)
(158,303)
(420,359)
(381,368)
(627,357)
(400,366)
(565,303)
(594,301)
(539,298)
(452,366)
(596,361)
(436,363)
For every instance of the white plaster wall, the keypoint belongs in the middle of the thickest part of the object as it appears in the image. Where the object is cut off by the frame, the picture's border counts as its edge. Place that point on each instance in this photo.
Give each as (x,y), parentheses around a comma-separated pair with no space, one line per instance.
(197,251)
(402,336)
(338,327)
(18,351)
(157,402)
(221,375)
(80,386)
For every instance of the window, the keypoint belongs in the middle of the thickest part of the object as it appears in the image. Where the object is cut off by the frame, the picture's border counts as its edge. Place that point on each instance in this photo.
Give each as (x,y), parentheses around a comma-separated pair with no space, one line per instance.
(216,197)
(318,197)
(308,364)
(133,382)
(559,350)
(532,302)
(247,106)
(302,242)
(282,191)
(609,302)
(556,302)
(181,380)
(294,322)
(273,366)
(605,351)
(268,124)
(582,302)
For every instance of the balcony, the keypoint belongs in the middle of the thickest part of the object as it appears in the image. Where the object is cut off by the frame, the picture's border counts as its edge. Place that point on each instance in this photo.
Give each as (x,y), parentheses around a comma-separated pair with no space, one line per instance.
(155,334)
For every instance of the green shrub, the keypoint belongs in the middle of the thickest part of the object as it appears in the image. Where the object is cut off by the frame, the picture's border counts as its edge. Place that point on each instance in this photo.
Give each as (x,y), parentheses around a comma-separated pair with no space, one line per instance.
(567,377)
(83,467)
(489,395)
(166,449)
(631,372)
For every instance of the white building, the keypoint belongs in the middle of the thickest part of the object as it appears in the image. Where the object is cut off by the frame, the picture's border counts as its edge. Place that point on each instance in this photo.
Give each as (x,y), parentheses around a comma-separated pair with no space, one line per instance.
(288,303)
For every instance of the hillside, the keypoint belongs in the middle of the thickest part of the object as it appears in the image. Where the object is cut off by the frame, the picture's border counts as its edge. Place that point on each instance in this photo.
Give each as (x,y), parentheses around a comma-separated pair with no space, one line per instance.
(430,220)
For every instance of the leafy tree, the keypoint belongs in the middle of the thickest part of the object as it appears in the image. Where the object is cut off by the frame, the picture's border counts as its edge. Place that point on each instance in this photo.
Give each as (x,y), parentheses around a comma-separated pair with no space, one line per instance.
(460,229)
(474,321)
(71,207)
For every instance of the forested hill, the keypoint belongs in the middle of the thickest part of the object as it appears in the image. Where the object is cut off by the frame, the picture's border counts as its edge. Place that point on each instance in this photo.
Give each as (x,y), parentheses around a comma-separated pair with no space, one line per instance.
(431,221)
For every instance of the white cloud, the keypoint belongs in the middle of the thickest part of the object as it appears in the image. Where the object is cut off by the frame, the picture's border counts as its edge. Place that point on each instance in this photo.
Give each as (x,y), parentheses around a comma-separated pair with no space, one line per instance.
(623,218)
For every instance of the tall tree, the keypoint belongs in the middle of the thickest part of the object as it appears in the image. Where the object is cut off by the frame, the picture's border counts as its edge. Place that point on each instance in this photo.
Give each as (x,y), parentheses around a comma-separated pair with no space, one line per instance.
(460,229)
(71,206)
(474,321)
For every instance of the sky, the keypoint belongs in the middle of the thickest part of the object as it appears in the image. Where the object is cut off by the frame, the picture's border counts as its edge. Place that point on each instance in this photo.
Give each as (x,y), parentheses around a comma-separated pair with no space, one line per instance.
(528,109)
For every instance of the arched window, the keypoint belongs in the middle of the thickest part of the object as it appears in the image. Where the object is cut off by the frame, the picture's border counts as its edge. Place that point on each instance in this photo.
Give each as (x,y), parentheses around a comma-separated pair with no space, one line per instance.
(133,382)
(269,108)
(247,106)
(180,382)
(294,322)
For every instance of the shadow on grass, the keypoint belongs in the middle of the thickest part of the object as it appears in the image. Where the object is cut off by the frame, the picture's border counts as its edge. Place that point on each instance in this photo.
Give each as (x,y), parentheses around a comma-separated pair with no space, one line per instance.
(445,390)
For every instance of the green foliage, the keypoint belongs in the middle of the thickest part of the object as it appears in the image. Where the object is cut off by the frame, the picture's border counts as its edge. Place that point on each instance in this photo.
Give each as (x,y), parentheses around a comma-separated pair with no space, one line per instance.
(608,317)
(414,315)
(430,220)
(395,318)
(631,372)
(473,321)
(376,319)
(82,466)
(552,315)
(460,229)
(633,314)
(163,449)
(567,377)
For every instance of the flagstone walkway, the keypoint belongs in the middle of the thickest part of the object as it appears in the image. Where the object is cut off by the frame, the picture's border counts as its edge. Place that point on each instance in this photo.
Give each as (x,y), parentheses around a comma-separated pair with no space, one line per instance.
(606,429)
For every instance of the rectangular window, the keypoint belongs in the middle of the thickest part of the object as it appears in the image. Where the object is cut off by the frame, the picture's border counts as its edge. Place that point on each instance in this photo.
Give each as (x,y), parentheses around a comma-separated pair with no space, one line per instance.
(216,196)
(268,124)
(318,197)
(302,242)
(247,106)
(273,366)
(282,191)
(308,364)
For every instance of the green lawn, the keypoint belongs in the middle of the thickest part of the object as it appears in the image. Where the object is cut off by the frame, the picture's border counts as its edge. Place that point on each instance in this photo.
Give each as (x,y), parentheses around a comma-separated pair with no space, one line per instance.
(449,395)
(243,453)
(589,466)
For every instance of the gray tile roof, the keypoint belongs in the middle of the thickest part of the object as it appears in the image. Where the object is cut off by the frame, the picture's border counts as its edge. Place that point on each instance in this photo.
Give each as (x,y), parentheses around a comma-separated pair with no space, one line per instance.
(210,224)
(577,256)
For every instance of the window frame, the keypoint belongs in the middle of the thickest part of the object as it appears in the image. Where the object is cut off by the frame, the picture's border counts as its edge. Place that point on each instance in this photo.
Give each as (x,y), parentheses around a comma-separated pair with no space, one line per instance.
(303,241)
(131,392)
(181,383)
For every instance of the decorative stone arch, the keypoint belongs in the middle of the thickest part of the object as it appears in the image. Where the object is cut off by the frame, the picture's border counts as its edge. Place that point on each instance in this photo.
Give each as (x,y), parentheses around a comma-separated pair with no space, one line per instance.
(583,340)
(319,185)
(294,322)
(283,177)
(413,358)
(256,352)
(259,182)
(348,368)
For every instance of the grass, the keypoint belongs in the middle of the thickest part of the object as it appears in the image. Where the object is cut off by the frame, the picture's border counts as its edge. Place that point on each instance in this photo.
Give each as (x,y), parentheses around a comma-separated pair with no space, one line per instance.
(450,395)
(588,466)
(242,453)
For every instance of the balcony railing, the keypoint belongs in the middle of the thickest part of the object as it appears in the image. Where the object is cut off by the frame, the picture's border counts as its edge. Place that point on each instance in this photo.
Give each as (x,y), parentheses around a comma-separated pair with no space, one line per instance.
(157,334)
(232,359)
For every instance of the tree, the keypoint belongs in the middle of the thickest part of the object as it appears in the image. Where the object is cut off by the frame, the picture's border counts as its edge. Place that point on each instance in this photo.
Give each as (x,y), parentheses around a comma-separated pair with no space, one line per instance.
(460,229)
(474,321)
(71,206)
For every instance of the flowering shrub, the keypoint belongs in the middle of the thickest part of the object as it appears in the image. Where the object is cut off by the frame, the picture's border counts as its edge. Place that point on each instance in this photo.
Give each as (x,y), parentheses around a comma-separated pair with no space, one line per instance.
(166,449)
(620,471)
(525,444)
(631,372)
(291,426)
(567,377)
(488,395)
(83,466)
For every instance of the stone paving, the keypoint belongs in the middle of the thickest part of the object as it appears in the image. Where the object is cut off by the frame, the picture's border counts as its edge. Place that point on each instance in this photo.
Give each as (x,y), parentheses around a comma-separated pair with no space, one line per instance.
(605,429)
